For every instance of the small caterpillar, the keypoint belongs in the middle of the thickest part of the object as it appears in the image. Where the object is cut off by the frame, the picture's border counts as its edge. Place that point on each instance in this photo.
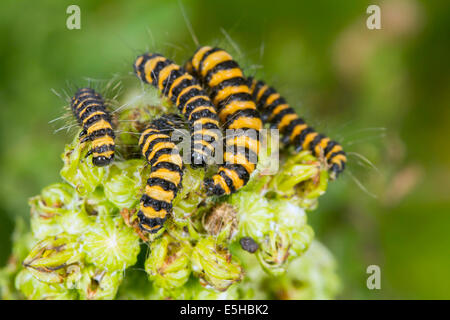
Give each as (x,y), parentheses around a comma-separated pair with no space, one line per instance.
(230,93)
(89,109)
(276,111)
(190,99)
(165,175)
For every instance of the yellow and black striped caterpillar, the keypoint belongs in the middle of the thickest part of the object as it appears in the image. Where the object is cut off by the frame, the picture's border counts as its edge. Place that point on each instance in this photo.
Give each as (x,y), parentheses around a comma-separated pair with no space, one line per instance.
(276,111)
(165,175)
(190,99)
(89,109)
(230,93)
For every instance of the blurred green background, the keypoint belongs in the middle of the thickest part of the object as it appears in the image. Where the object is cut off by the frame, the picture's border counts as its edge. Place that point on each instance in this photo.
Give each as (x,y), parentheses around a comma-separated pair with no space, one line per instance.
(384,94)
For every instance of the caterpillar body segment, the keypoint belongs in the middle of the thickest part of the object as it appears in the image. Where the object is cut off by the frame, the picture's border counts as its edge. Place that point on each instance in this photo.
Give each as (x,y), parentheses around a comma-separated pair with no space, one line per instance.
(229,91)
(189,97)
(89,109)
(165,175)
(277,112)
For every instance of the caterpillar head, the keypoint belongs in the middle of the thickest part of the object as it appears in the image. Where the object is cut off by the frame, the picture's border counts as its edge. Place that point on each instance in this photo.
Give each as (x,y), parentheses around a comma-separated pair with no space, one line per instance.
(336,169)
(102,161)
(212,188)
(150,225)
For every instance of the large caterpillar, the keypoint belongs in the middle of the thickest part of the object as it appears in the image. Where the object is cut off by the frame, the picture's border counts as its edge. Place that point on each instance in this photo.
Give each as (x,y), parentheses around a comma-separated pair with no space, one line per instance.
(230,93)
(276,111)
(190,99)
(165,174)
(89,109)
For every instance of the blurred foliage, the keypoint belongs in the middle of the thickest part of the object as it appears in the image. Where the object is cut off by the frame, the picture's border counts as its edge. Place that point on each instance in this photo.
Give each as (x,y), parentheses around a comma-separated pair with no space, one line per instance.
(346,80)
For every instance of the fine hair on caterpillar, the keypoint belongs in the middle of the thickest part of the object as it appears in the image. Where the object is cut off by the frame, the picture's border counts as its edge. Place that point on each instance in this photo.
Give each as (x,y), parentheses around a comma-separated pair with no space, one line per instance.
(279,114)
(230,93)
(109,89)
(89,109)
(166,172)
(351,140)
(188,97)
(230,106)
(226,42)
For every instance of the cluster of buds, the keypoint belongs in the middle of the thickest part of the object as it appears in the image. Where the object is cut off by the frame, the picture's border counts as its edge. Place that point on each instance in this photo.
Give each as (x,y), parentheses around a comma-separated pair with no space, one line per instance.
(84,242)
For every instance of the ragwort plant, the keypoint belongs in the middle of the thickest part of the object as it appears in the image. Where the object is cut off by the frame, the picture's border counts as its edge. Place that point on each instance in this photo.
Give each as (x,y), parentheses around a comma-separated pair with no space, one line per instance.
(82,240)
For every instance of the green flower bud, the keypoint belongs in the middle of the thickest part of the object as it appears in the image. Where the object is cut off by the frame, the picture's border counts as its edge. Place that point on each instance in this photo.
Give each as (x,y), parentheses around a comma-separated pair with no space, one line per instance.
(125,182)
(254,214)
(111,245)
(182,231)
(50,259)
(300,174)
(292,219)
(214,265)
(189,196)
(34,289)
(221,222)
(50,219)
(288,214)
(309,192)
(76,221)
(312,276)
(47,209)
(57,195)
(268,162)
(74,275)
(78,169)
(168,264)
(98,206)
(274,251)
(301,240)
(97,284)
